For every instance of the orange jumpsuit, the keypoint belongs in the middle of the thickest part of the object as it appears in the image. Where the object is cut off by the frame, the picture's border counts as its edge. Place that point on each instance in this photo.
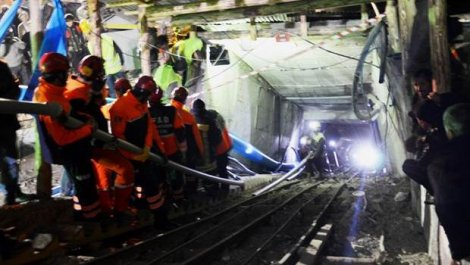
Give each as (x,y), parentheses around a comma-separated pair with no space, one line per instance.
(170,127)
(131,121)
(104,160)
(222,149)
(69,147)
(194,141)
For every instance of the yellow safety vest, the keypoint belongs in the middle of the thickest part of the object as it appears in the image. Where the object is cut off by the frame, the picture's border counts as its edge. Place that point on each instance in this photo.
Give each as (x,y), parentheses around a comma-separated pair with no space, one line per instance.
(165,75)
(112,62)
(188,47)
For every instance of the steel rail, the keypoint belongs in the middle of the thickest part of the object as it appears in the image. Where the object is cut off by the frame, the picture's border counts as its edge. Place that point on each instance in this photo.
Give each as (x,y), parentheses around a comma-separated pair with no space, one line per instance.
(319,216)
(121,253)
(202,255)
(55,110)
(292,255)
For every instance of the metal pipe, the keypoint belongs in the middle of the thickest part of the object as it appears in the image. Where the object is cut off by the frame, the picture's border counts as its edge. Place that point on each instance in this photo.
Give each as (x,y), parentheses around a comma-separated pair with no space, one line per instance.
(55,110)
(286,176)
(358,81)
(236,161)
(12,107)
(296,174)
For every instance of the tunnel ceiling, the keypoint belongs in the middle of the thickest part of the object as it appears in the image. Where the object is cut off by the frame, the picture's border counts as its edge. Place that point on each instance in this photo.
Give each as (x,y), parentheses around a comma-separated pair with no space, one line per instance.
(314,78)
(319,79)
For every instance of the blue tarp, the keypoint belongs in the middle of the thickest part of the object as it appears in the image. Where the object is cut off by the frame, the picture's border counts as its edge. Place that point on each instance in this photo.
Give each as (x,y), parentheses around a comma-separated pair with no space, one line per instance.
(54,41)
(251,153)
(8,18)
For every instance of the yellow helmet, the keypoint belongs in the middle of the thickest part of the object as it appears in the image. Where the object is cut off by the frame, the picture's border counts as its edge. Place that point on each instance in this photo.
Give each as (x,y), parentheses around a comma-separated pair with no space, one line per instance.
(85,26)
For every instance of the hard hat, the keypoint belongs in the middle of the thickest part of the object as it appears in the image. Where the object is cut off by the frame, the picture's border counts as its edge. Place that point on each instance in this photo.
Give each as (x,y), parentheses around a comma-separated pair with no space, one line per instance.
(91,67)
(122,85)
(157,96)
(145,83)
(69,17)
(85,26)
(53,62)
(198,104)
(180,94)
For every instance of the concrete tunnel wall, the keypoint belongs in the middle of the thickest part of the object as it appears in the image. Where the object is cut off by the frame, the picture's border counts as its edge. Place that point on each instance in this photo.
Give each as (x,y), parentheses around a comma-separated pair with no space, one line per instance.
(252,110)
(396,133)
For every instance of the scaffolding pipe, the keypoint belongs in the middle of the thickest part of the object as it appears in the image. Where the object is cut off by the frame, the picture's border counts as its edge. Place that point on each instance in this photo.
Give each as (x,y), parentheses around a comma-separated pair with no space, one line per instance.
(55,110)
(286,176)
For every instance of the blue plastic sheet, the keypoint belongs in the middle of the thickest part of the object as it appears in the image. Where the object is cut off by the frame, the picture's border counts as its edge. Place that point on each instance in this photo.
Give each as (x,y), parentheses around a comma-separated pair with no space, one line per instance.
(8,18)
(251,153)
(54,41)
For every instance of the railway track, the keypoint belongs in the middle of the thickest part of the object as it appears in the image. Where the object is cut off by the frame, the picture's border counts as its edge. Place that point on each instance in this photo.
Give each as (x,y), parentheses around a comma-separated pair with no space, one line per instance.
(255,230)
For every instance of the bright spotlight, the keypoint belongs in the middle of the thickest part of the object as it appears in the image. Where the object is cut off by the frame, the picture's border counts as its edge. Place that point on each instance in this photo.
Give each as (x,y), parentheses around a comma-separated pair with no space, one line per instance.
(314,125)
(332,143)
(304,140)
(366,157)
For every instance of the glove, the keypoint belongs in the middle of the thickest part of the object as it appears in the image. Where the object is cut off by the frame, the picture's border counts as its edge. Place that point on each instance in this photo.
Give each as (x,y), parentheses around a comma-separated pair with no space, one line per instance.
(143,156)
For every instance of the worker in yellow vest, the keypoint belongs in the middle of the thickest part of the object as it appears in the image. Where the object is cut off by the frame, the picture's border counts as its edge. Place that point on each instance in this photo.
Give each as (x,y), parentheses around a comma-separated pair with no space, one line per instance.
(166,77)
(192,50)
(112,55)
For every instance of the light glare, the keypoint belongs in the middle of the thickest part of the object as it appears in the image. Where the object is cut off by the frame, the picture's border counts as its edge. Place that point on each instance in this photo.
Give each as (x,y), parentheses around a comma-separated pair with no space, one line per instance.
(314,125)
(366,157)
(332,143)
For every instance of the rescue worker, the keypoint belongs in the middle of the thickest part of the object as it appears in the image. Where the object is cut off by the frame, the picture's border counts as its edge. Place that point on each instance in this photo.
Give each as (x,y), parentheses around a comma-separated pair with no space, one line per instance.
(314,143)
(193,136)
(131,121)
(318,147)
(222,149)
(171,130)
(211,138)
(165,76)
(192,51)
(9,168)
(85,93)
(122,85)
(69,147)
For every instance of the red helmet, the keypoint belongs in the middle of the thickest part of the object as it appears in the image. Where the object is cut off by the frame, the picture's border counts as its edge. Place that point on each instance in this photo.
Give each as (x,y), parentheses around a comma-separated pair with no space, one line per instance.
(122,85)
(91,67)
(53,62)
(145,83)
(157,96)
(180,94)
